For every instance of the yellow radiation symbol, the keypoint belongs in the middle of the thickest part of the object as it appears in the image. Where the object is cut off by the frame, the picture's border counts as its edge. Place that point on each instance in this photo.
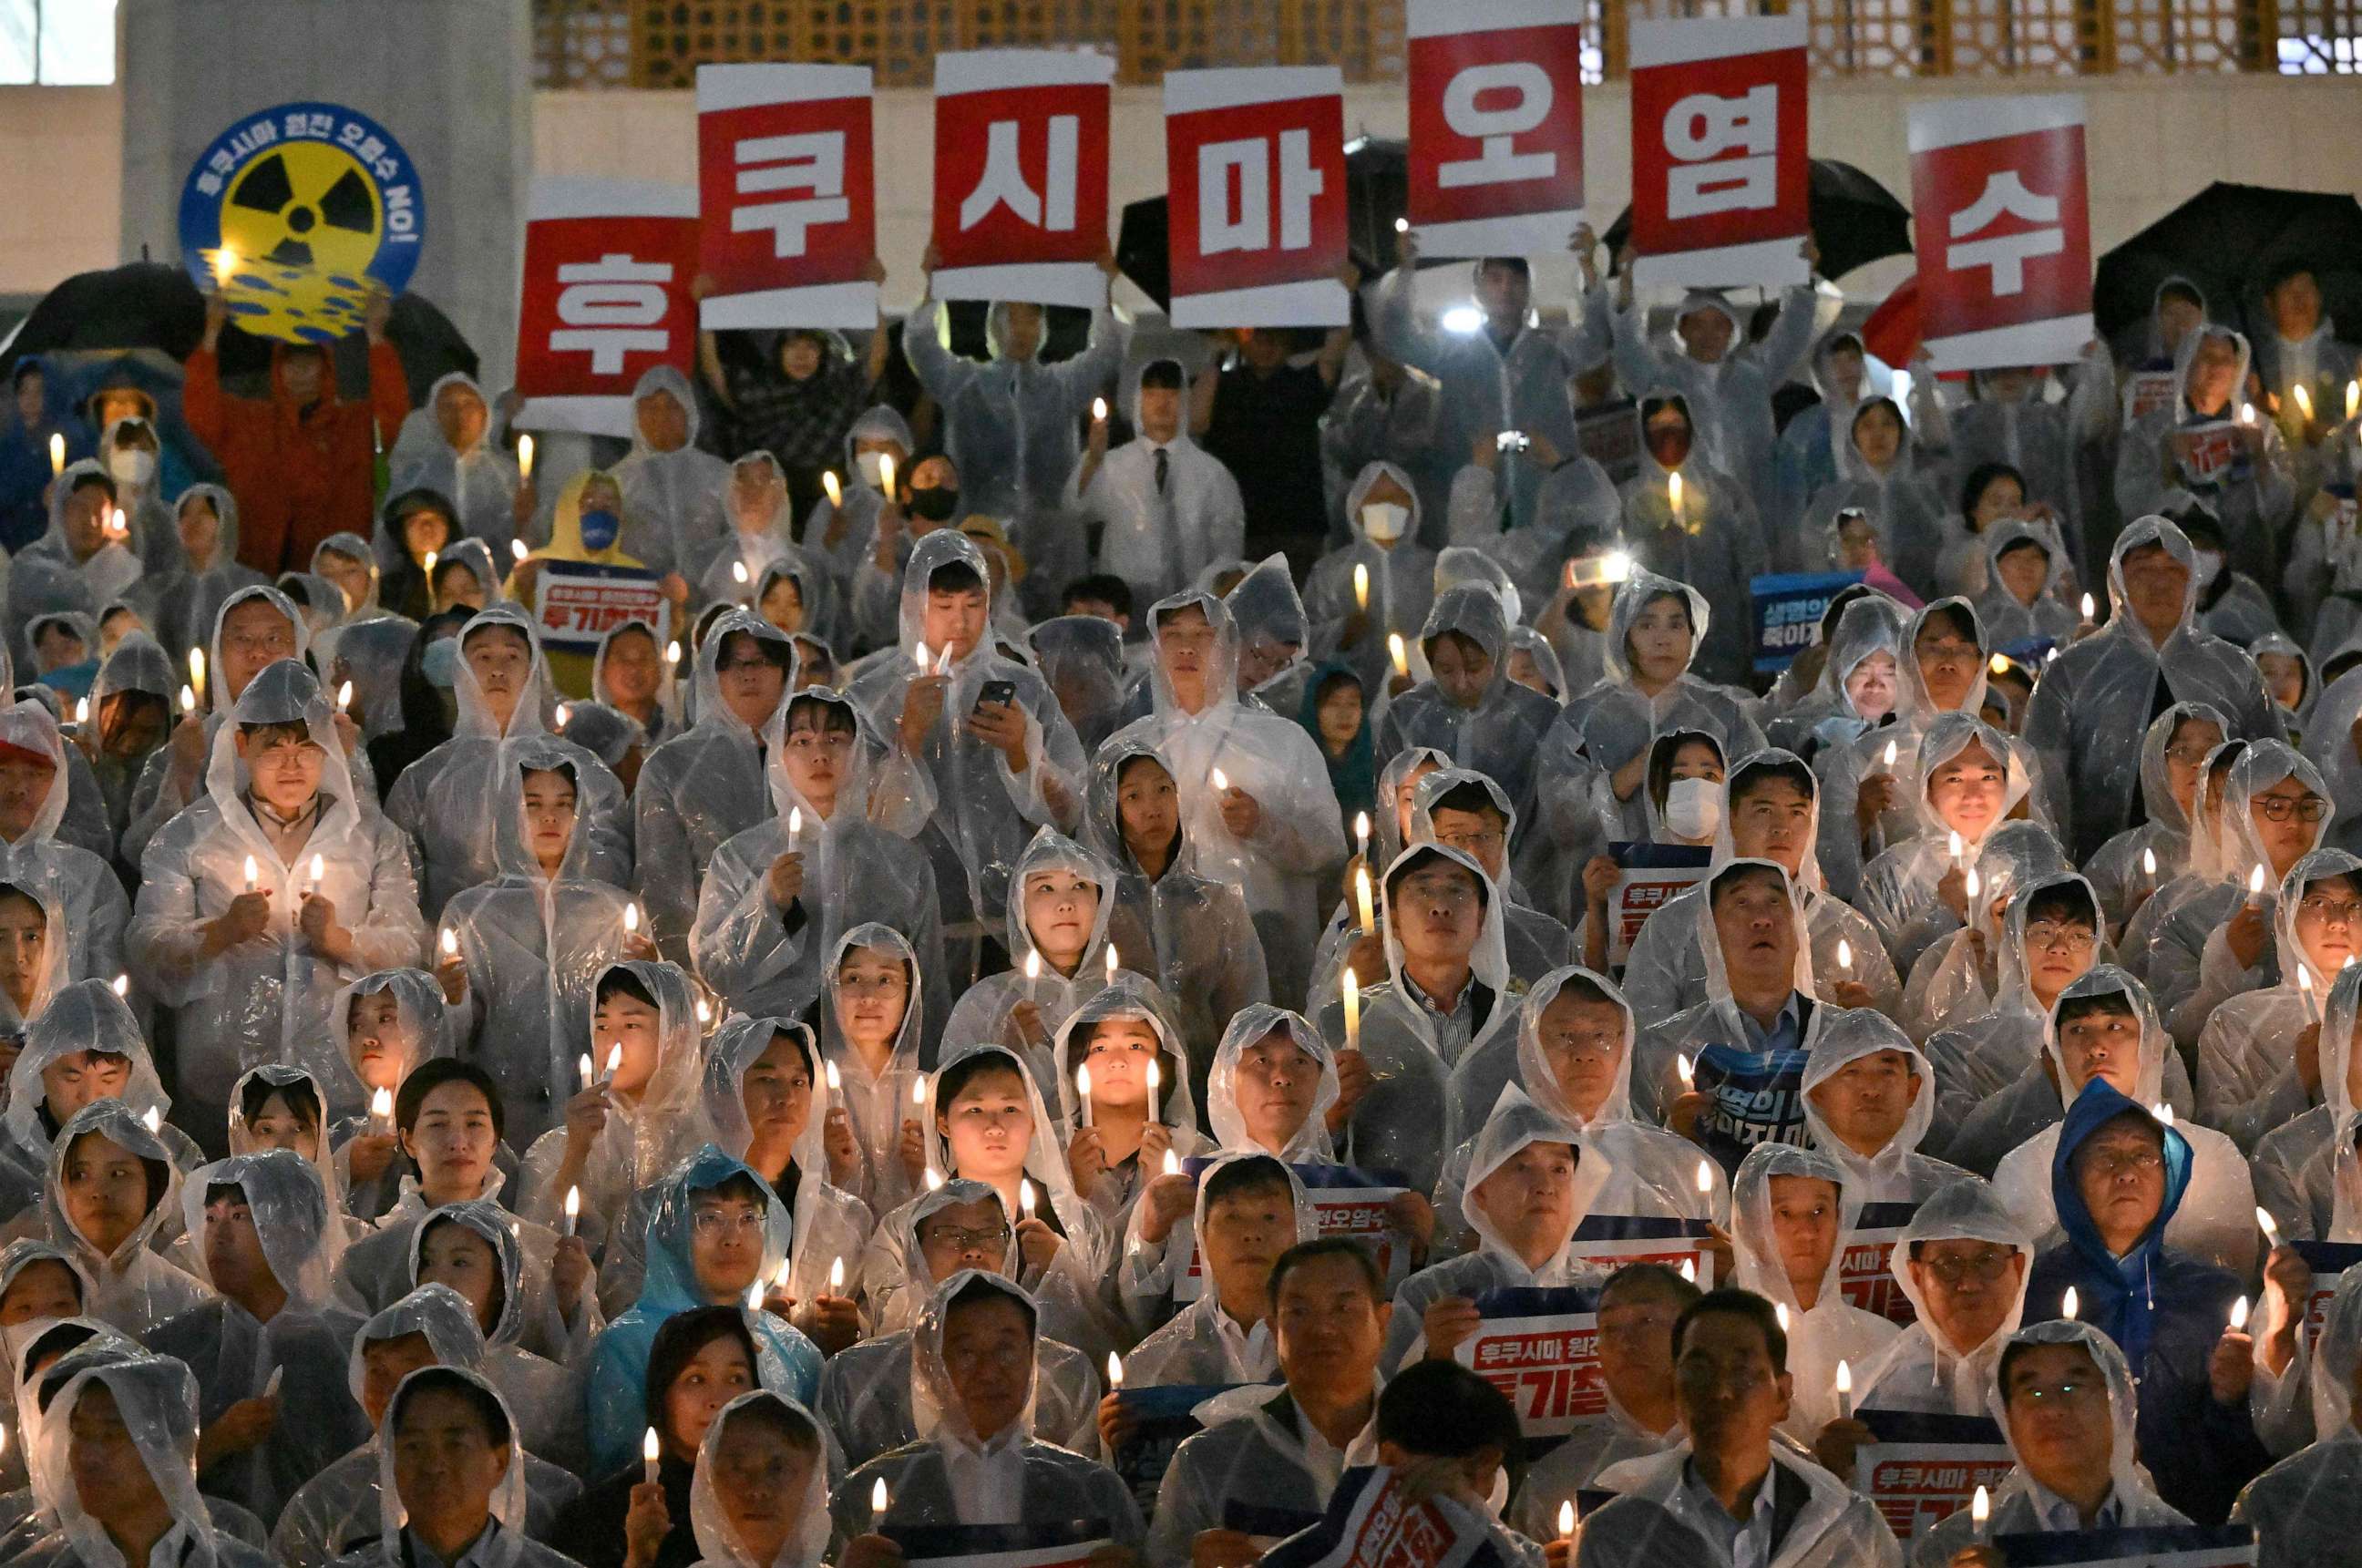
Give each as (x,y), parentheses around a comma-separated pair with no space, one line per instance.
(299,228)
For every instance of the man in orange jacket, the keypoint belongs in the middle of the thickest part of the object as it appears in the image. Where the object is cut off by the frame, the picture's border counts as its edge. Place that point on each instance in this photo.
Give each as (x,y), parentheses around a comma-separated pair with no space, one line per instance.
(301,461)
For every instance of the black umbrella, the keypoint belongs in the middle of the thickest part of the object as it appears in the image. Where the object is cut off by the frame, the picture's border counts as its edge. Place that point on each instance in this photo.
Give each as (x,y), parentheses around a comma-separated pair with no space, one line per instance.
(1855,220)
(2228,239)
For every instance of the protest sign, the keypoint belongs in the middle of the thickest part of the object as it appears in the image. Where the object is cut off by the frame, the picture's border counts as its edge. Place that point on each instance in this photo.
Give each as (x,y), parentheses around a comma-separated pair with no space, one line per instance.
(2148,1546)
(1721,173)
(1540,1346)
(787,201)
(1788,608)
(1159,1420)
(1255,163)
(2329,1260)
(2003,222)
(577,603)
(1922,1468)
(1610,1242)
(608,265)
(1022,175)
(1036,1543)
(1649,877)
(1755,1097)
(2206,454)
(1371,1522)
(1863,1275)
(1347,1201)
(295,213)
(1495,126)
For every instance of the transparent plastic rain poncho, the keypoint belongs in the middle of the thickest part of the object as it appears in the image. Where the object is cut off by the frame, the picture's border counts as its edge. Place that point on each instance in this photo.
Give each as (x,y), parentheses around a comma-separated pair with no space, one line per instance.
(640,1142)
(865,1392)
(138,666)
(440,798)
(1899,888)
(1174,1106)
(282,1078)
(480,482)
(1652,1520)
(877,1103)
(672,500)
(19,1414)
(505,1542)
(1269,614)
(2098,696)
(267,1000)
(2248,1081)
(1202,1345)
(2308,1506)
(181,601)
(133,1287)
(703,788)
(1158,537)
(75,884)
(1298,836)
(1012,427)
(1922,1370)
(1827,716)
(2190,968)
(1898,1171)
(616,1376)
(1601,730)
(422,1029)
(858,869)
(845,533)
(987,1011)
(1028,1479)
(1906,509)
(824,616)
(2301,1166)
(1082,658)
(1834,1329)
(1956,979)
(984,813)
(2117,870)
(44,577)
(2008,620)
(1208,958)
(1731,398)
(1401,583)
(2216,1221)
(2206,865)
(1715,542)
(1256,1456)
(1979,1052)
(1403,1122)
(1666,972)
(729,568)
(663,723)
(1535,942)
(84,1016)
(157,1399)
(370,654)
(296,1354)
(341,1503)
(718,1542)
(52,974)
(1495,1265)
(2328,741)
(1500,737)
(533,944)
(2253,494)
(2132,1502)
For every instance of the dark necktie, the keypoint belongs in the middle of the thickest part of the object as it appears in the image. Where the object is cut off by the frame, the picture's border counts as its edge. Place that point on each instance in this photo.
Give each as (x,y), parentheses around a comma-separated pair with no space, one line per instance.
(1164,469)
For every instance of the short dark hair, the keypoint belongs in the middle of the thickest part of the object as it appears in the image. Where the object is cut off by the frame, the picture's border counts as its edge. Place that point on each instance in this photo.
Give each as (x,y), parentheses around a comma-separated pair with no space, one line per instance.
(2286,268)
(294,730)
(828,714)
(1834,609)
(678,1338)
(1421,858)
(954,577)
(1972,489)
(2062,900)
(1255,1175)
(952,1080)
(2023,542)
(1466,796)
(1322,1247)
(1583,987)
(1163,375)
(983,1291)
(1738,873)
(11,892)
(776,651)
(1099,588)
(2018,1349)
(1755,773)
(433,1074)
(93,479)
(617,980)
(1731,1301)
(1653,1277)
(1516,264)
(773,1415)
(451,1380)
(738,1184)
(1442,1409)
(1958,618)
(2115,1003)
(303,1098)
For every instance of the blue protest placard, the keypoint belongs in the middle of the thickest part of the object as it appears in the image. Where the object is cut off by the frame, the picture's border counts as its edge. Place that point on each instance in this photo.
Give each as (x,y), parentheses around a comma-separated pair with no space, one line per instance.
(1162,1417)
(1788,608)
(1650,876)
(1757,1097)
(1924,1467)
(1347,1201)
(1540,1346)
(2146,1546)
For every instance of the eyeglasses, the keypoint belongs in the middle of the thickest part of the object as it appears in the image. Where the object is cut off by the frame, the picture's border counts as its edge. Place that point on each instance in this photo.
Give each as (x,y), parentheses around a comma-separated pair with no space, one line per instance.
(2280,808)
(2072,938)
(2332,912)
(1985,1267)
(724,1223)
(2188,755)
(1473,841)
(966,1240)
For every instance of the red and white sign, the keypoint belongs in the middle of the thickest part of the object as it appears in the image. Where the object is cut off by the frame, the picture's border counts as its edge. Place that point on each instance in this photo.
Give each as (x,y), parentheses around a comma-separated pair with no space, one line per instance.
(608,265)
(788,209)
(1548,1367)
(1022,175)
(1256,164)
(1721,166)
(1998,206)
(1495,126)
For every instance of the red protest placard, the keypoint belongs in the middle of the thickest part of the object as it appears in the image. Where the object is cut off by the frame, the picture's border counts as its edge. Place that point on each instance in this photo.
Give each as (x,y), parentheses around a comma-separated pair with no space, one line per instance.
(1721,165)
(787,210)
(1256,164)
(1022,175)
(608,265)
(1495,126)
(2003,222)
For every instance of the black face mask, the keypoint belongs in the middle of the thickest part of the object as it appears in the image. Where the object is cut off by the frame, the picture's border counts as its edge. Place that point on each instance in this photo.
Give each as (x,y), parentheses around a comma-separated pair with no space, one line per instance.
(936,503)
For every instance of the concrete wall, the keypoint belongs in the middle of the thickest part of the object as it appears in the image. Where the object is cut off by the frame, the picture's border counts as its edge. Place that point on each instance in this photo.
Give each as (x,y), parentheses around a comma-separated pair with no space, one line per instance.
(2154,141)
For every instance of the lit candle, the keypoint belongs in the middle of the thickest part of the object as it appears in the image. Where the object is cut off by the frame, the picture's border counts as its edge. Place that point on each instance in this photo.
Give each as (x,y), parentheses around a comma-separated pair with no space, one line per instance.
(565,712)
(2239,1315)
(81,711)
(122,986)
(1971,884)
(1953,844)
(2148,864)
(614,1058)
(919,656)
(837,1277)
(450,942)
(935,1180)
(1998,664)
(1098,411)
(918,1092)
(152,1118)
(795,825)
(886,474)
(738,572)
(1172,1163)
(2352,400)
(1681,1065)
(828,482)
(1706,1177)
(197,670)
(319,873)
(1362,835)
(431,556)
(2303,402)
(649,1449)
(1981,1513)
(780,1276)
(1845,956)
(878,1502)
(672,653)
(1353,992)
(2270,1229)
(1845,1391)
(573,1210)
(1025,1196)
(2091,608)
(943,659)
(1361,585)
(1890,754)
(1674,494)
(1689,1270)
(517,552)
(1397,652)
(57,455)
(2255,888)
(1082,1091)
(345,698)
(1222,782)
(1155,1079)
(1111,965)
(2247,414)
(524,457)
(1780,1311)
(705,1012)
(382,1112)
(1566,1521)
(583,1065)
(1033,973)
(224,264)
(1363,902)
(631,918)
(2067,1306)
(253,874)
(1115,1371)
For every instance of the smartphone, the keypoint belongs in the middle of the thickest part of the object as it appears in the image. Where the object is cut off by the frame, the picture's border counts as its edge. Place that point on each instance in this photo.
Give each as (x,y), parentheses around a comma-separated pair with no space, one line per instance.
(1001,691)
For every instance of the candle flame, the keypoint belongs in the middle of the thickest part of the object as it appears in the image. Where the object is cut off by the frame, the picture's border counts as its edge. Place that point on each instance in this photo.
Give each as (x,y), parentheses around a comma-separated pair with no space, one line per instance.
(1973,882)
(2254,881)
(1115,1370)
(517,552)
(1098,408)
(2090,606)
(1172,1163)
(2067,1307)
(828,482)
(1844,953)
(920,658)
(525,456)
(2303,402)
(1025,1196)
(583,1067)
(738,572)
(1998,664)
(1952,842)
(382,1103)
(573,1202)
(2239,1315)
(319,869)
(1780,1311)
(345,698)
(672,652)
(1363,903)
(153,1119)
(1689,1270)
(2163,1112)
(1110,962)
(1890,754)
(1083,1082)
(835,1081)
(1222,782)
(779,1276)
(1845,1376)
(918,1092)
(1981,1507)
(650,1448)
(878,1496)
(1350,985)
(1706,1176)
(631,917)
(1362,584)
(1566,1519)
(565,713)
(934,1181)
(1397,652)
(614,1057)
(450,942)
(795,821)
(885,472)
(2270,1228)
(122,986)
(253,873)
(57,455)
(2353,398)
(2148,862)
(1361,829)
(837,1273)
(431,556)
(1033,965)
(1682,1061)
(1673,492)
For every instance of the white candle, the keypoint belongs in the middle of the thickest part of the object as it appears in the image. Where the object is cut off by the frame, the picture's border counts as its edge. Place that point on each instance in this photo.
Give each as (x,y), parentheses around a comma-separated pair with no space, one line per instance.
(573,1210)
(524,457)
(837,1277)
(450,942)
(1352,993)
(1845,1391)
(649,1449)
(631,918)
(1981,1513)
(828,482)
(1397,651)
(1025,1196)
(253,874)
(1082,1091)
(1115,1371)
(57,455)
(1155,1079)
(1364,904)
(1361,585)
(197,670)
(517,552)
(2239,1315)
(878,1502)
(1362,835)
(1098,410)
(2272,1229)
(382,1112)
(1172,1163)
(2255,888)
(1674,494)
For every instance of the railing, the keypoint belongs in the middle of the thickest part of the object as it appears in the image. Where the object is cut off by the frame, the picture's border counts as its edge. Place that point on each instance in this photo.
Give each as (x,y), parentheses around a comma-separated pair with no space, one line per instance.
(660,43)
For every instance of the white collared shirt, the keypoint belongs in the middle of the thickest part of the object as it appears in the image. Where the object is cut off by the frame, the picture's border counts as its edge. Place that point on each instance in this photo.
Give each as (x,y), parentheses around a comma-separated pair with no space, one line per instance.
(1326,1463)
(1249,1351)
(2057,1514)
(1748,1543)
(988,1485)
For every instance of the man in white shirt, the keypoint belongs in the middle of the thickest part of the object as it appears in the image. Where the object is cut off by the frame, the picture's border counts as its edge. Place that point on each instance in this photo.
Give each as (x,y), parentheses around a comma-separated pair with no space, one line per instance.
(1166,507)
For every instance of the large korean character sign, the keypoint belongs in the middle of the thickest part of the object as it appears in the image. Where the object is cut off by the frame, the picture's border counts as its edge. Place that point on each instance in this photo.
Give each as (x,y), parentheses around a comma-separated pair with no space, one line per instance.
(1495,126)
(1255,165)
(1721,171)
(789,222)
(1999,213)
(608,265)
(1022,175)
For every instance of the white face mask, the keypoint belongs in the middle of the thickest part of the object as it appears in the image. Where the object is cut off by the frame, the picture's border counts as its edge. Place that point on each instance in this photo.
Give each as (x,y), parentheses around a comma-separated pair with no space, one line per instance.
(1694,808)
(131,465)
(872,468)
(2206,566)
(1384,522)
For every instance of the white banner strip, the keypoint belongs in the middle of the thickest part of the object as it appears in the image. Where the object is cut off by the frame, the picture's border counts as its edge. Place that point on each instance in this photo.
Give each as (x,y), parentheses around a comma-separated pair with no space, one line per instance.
(1689,41)
(1450,18)
(851,306)
(1953,122)
(1773,263)
(744,86)
(1042,282)
(1519,235)
(1188,92)
(573,198)
(2057,341)
(1320,302)
(990,70)
(587,415)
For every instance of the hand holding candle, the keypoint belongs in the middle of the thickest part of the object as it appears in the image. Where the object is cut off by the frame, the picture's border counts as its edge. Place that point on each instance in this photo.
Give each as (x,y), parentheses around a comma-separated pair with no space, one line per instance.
(649,1451)
(573,1210)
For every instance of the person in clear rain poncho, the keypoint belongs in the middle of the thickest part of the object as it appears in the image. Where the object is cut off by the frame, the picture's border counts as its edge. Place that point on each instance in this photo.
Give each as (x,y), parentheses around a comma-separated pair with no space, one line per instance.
(391,1022)
(1869,1100)
(448,446)
(33,954)
(2250,1080)
(1856,688)
(983,1118)
(672,490)
(1274,635)
(1082,657)
(440,800)
(629,674)
(761,1496)
(81,564)
(1654,633)
(844,531)
(1165,506)
(1691,520)
(634,1120)
(1958,975)
(1124,1094)
(118,1454)
(999,768)
(2206,441)
(42,1289)
(865,1392)
(2301,1166)
(2024,565)
(259,1225)
(1962,1262)
(1879,476)
(872,1030)
(2068,1405)
(2207,863)
(776,896)
(2095,701)
(37,783)
(2306,1509)
(276,1106)
(1770,811)
(517,955)
(431,1326)
(1471,812)
(1967,780)
(1248,1208)
(1382,509)
(130,716)
(761,535)
(112,1187)
(973,1390)
(262,901)
(1731,1491)
(85,1046)
(1470,708)
(1253,792)
(1791,1210)
(2137,863)
(717,1236)
(703,788)
(181,601)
